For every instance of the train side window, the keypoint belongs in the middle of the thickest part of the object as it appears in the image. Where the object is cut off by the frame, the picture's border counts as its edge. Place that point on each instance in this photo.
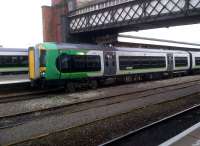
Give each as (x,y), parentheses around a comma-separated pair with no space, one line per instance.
(181,61)
(62,63)
(93,63)
(197,60)
(78,63)
(13,61)
(43,58)
(141,62)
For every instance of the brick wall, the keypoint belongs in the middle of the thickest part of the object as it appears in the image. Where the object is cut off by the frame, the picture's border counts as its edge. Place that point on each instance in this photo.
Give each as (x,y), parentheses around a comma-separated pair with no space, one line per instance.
(52,21)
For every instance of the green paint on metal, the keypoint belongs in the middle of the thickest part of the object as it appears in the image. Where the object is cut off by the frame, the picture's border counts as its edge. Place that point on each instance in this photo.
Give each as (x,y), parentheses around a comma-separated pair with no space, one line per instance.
(73,52)
(79,75)
(51,56)
(52,53)
(49,45)
(51,70)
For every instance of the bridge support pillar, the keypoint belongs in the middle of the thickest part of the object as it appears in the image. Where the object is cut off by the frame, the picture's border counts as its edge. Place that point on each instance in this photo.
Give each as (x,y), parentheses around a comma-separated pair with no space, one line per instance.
(52,22)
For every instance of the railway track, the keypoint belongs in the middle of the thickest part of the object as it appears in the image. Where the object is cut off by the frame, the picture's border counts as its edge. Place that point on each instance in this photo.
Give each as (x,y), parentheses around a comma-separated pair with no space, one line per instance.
(11,120)
(150,135)
(26,95)
(9,95)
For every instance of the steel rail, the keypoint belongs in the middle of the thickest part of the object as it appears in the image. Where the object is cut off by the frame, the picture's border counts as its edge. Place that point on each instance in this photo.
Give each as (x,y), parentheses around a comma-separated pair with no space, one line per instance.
(26,95)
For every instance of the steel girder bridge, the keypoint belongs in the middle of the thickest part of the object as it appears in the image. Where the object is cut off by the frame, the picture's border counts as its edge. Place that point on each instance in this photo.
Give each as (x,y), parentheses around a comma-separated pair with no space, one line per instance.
(114,16)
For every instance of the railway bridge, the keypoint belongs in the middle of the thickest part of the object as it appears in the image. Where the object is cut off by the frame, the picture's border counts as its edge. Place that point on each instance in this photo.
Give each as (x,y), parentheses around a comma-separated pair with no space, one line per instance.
(110,17)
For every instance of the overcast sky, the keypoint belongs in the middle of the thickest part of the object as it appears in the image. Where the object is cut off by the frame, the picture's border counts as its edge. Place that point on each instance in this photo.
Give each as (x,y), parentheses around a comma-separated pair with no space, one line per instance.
(21,22)
(21,25)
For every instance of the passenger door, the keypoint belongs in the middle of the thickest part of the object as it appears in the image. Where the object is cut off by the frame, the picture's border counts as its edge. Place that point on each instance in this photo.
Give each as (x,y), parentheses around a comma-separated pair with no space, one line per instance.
(109,63)
(170,62)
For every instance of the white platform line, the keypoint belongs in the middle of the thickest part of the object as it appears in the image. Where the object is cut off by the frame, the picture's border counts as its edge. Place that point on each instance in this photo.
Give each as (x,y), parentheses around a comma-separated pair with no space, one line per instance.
(14,82)
(181,135)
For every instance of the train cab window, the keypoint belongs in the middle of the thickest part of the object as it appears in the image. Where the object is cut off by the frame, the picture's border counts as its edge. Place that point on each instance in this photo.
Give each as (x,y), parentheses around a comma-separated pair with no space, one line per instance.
(78,63)
(43,58)
(181,61)
(141,62)
(197,60)
(62,63)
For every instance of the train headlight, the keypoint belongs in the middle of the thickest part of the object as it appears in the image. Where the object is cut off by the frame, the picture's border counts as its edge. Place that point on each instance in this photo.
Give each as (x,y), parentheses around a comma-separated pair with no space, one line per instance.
(43,74)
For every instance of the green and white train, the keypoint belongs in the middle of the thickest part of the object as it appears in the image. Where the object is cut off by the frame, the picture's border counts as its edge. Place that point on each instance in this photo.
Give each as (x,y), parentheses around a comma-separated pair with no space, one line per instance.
(73,64)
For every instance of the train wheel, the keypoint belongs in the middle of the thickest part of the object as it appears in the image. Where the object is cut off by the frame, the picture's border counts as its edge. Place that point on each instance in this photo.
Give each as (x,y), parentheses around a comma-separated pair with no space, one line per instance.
(93,84)
(70,87)
(128,79)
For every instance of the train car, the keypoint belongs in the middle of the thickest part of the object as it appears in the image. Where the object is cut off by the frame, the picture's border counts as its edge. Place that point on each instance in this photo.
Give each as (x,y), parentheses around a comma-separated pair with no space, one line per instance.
(75,63)
(52,62)
(195,60)
(140,61)
(13,61)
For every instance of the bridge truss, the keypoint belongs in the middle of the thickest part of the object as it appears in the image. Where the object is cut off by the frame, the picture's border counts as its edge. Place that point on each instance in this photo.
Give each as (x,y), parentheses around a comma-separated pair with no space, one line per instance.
(116,16)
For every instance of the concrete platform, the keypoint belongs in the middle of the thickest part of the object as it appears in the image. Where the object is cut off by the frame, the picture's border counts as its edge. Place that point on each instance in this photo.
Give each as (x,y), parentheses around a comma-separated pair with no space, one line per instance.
(13,79)
(190,137)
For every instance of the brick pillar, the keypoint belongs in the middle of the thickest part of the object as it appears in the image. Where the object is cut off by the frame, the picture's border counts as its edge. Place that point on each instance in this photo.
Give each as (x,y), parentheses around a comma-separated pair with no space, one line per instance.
(48,31)
(52,21)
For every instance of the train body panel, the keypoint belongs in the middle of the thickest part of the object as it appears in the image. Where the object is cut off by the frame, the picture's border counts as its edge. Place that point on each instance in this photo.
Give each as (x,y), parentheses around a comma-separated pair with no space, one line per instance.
(49,63)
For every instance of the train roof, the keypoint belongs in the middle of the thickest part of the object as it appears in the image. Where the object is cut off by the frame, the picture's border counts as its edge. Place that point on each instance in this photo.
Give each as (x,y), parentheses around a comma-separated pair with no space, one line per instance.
(109,48)
(100,47)
(78,46)
(13,50)
(187,46)
(160,50)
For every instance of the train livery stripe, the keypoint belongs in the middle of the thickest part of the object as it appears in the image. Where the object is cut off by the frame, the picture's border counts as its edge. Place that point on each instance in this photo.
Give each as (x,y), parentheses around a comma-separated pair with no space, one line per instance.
(11,69)
(31,64)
